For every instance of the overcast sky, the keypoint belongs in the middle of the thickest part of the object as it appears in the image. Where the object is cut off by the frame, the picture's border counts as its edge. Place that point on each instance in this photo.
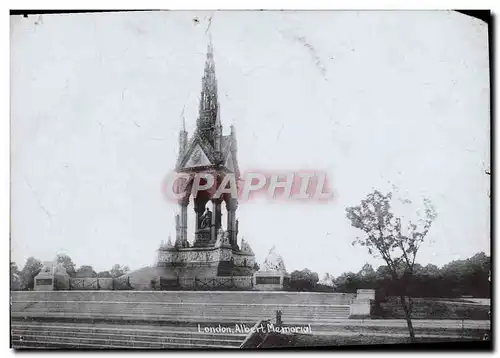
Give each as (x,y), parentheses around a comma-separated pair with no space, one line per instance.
(375,99)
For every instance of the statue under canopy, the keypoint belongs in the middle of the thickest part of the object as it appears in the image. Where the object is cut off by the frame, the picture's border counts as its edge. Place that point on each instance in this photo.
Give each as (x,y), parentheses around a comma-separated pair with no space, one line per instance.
(206,219)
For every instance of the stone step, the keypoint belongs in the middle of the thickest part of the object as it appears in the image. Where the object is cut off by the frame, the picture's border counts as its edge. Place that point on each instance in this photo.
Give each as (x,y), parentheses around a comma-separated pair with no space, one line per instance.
(57,303)
(122,339)
(181,316)
(170,318)
(140,312)
(33,334)
(181,332)
(76,344)
(143,310)
(243,297)
(172,307)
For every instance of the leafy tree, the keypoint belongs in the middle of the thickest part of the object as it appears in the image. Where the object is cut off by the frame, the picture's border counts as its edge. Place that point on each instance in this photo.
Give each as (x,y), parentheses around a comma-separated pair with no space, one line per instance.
(256,266)
(304,280)
(367,271)
(469,276)
(118,270)
(15,277)
(430,270)
(383,273)
(67,263)
(31,268)
(85,271)
(104,274)
(387,237)
(347,282)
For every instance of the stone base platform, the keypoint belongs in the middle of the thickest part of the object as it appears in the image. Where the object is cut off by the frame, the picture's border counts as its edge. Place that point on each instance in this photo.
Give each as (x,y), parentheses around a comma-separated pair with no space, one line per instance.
(204,262)
(270,280)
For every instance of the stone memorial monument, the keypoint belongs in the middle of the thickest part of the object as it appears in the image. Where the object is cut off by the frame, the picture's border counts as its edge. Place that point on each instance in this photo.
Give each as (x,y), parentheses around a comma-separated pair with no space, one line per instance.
(273,275)
(213,252)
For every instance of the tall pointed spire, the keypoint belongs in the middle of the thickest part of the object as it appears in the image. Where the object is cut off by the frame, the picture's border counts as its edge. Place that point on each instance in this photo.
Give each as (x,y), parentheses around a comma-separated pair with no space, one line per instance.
(182,135)
(209,104)
(183,120)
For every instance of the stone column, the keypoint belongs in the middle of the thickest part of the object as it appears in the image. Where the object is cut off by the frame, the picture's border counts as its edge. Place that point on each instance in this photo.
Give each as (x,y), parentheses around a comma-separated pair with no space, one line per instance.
(199,208)
(183,221)
(178,240)
(216,219)
(229,223)
(232,205)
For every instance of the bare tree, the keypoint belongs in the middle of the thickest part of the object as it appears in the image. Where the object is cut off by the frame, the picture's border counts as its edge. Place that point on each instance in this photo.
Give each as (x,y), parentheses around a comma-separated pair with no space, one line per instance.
(386,237)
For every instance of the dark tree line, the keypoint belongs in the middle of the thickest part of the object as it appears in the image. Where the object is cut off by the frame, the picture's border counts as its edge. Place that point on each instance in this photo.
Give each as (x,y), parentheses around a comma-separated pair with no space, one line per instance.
(25,279)
(304,280)
(467,277)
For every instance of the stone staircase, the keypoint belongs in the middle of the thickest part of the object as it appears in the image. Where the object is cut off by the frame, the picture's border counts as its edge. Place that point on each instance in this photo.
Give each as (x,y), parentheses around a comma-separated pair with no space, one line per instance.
(188,312)
(181,305)
(43,335)
(157,320)
(243,297)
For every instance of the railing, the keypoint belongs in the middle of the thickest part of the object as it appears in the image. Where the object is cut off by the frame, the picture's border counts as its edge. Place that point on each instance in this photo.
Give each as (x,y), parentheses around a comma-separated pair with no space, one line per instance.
(96,283)
(83,283)
(223,283)
(214,283)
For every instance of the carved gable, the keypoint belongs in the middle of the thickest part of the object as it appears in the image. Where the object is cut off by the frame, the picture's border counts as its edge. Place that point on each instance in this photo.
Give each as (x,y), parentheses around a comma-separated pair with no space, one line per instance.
(197,158)
(199,153)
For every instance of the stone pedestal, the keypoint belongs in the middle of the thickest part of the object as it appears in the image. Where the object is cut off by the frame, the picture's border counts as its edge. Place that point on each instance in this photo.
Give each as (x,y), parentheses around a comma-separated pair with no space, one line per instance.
(269,280)
(44,281)
(366,294)
(359,308)
(273,276)
(212,261)
(203,238)
(61,279)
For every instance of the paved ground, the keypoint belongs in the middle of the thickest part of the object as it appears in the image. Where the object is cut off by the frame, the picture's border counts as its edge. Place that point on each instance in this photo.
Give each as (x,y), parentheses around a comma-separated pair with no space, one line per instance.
(480,301)
(39,334)
(417,323)
(470,301)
